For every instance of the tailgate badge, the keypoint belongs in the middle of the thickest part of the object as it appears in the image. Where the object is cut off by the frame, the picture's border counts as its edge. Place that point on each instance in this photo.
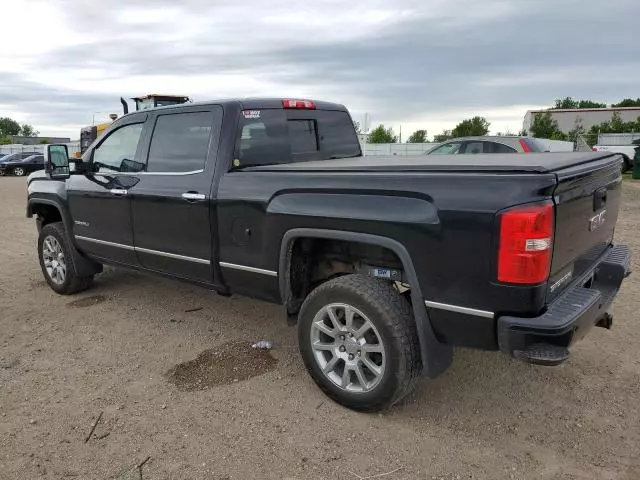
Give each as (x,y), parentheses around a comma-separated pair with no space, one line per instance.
(597,221)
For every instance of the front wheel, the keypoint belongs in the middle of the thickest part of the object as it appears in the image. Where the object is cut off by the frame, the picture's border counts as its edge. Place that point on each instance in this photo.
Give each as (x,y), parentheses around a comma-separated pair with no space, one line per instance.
(359,342)
(19,171)
(56,261)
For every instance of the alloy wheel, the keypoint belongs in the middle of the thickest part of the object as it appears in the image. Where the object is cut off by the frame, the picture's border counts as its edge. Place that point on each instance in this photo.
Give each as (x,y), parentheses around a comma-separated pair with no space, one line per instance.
(348,348)
(53,259)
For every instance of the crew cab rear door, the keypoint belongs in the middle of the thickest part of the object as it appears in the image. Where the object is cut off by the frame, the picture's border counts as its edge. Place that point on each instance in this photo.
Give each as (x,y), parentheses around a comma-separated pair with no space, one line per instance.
(172,203)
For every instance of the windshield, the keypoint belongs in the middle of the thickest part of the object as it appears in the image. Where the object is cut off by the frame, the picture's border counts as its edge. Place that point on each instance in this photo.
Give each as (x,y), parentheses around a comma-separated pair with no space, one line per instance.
(274,136)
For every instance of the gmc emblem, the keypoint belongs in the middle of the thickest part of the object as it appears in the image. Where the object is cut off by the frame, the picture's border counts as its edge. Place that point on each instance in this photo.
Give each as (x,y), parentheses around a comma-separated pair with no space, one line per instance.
(597,221)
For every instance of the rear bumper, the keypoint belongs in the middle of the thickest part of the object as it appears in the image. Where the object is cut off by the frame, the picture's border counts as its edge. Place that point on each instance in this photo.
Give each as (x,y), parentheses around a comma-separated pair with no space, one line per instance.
(573,313)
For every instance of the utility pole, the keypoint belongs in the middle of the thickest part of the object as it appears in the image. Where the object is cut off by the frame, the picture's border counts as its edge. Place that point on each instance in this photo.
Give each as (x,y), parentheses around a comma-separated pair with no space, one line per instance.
(400,134)
(366,135)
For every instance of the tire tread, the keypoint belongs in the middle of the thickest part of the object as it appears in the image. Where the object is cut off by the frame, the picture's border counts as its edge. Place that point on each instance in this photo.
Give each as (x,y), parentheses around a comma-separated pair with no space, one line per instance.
(76,283)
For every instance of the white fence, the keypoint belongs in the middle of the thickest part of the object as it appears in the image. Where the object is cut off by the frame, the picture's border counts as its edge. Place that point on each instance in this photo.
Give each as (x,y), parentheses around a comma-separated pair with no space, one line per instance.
(555,145)
(409,149)
(400,149)
(617,138)
(17,148)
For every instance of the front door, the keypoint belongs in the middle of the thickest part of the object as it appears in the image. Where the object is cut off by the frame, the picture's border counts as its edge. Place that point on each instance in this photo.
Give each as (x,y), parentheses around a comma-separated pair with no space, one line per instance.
(172,205)
(100,201)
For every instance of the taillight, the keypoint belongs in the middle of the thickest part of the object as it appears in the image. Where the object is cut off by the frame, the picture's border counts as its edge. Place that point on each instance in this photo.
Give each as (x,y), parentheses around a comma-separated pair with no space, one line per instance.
(594,149)
(526,238)
(304,104)
(525,146)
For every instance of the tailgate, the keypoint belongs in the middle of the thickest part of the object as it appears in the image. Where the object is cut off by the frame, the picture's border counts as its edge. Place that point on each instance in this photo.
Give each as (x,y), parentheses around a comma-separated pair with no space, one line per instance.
(587,199)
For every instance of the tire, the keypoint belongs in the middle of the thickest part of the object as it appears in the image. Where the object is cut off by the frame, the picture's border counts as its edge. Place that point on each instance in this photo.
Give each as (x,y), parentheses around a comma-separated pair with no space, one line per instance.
(626,164)
(19,172)
(54,253)
(393,372)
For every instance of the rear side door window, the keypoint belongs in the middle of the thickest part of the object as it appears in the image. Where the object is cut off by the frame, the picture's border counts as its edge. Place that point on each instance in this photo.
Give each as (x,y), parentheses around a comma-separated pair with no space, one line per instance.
(180,142)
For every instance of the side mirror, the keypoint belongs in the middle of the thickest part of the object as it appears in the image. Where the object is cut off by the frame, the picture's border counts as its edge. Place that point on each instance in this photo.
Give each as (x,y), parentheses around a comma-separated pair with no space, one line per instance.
(56,162)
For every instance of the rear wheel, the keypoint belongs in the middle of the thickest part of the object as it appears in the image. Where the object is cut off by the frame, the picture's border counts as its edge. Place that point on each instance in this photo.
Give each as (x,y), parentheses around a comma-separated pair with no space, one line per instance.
(56,261)
(359,342)
(19,171)
(626,164)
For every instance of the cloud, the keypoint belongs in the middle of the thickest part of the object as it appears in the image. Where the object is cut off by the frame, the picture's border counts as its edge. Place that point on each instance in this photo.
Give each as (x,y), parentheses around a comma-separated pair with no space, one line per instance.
(417,63)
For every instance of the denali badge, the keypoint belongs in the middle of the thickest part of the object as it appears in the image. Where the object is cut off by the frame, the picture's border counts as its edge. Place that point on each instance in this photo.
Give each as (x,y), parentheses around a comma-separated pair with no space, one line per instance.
(564,278)
(596,221)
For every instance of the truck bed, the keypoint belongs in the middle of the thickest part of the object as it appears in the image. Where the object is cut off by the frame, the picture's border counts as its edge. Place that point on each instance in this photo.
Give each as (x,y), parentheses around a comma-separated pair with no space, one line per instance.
(505,162)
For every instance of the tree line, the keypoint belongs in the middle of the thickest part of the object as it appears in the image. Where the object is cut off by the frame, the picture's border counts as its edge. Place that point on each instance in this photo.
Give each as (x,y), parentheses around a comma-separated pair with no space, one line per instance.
(475,126)
(543,125)
(9,127)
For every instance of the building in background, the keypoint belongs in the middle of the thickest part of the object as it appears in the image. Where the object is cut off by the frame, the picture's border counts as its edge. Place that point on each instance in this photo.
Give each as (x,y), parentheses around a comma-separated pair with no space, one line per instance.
(20,140)
(568,118)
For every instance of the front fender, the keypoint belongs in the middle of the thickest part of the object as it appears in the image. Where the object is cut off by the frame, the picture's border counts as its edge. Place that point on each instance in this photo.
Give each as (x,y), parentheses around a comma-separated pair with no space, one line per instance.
(53,193)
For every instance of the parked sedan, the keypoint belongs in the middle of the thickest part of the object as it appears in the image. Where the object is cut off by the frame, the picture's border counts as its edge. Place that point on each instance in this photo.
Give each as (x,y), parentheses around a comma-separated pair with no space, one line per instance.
(17,164)
(471,145)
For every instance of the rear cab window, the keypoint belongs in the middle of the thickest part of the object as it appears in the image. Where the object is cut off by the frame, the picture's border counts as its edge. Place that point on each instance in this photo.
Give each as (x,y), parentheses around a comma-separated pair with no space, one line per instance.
(277,135)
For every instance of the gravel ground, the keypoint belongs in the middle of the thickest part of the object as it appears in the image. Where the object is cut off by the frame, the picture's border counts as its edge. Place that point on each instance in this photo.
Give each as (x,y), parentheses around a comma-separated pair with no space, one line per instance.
(112,350)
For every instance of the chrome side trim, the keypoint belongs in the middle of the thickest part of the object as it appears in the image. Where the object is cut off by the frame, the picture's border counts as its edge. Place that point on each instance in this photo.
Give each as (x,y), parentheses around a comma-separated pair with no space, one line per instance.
(192,172)
(458,309)
(245,268)
(133,174)
(144,250)
(104,242)
(173,255)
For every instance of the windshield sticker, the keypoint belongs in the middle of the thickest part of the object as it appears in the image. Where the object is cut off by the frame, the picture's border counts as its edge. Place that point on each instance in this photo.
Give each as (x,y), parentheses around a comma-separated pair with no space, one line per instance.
(251,114)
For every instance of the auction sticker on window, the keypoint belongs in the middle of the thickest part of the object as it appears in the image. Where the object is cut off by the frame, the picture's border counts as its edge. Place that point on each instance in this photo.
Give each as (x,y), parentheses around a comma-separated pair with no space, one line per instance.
(251,114)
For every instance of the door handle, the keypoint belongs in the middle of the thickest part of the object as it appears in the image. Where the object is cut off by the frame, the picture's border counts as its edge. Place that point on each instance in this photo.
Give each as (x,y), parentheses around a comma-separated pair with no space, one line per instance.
(193,197)
(119,192)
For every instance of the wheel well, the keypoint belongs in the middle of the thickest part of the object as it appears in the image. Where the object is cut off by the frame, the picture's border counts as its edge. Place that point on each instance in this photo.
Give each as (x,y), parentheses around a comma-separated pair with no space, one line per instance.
(313,261)
(626,162)
(45,214)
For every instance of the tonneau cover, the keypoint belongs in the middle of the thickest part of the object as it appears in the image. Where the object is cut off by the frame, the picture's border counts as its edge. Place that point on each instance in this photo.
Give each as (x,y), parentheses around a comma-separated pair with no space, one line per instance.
(502,162)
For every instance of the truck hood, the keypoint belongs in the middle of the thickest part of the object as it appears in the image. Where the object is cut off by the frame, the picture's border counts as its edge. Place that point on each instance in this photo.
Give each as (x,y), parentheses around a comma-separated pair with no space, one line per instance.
(505,162)
(38,175)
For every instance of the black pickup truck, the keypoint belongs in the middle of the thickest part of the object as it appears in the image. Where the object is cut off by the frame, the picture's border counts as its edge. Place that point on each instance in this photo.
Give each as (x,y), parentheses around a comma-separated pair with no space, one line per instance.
(385,264)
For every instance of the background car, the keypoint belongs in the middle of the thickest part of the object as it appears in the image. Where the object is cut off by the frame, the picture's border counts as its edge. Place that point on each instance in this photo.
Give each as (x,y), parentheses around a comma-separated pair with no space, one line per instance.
(472,145)
(21,164)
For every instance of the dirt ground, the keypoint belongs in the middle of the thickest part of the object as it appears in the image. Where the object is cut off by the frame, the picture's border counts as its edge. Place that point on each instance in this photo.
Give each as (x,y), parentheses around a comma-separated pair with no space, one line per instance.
(113,350)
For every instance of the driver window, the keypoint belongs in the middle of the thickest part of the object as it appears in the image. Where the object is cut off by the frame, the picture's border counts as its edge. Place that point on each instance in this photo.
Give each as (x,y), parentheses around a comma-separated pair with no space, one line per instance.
(117,152)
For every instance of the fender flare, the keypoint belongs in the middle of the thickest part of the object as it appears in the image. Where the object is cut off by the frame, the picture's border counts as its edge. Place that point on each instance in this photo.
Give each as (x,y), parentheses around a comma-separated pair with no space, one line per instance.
(83,265)
(436,357)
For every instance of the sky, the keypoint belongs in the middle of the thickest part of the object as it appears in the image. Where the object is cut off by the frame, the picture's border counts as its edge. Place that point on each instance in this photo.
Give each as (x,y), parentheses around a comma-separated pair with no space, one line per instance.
(411,63)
